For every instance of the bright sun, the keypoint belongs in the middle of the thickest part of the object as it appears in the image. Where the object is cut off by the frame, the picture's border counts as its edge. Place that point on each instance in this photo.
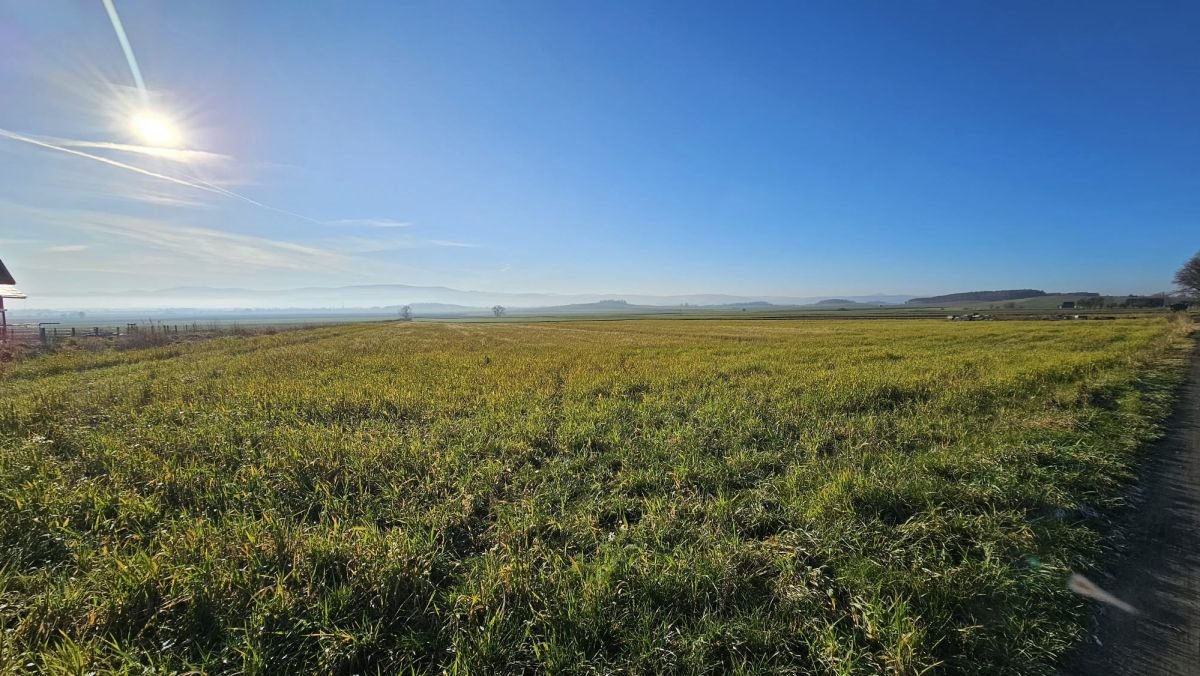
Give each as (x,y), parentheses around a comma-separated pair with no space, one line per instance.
(155,130)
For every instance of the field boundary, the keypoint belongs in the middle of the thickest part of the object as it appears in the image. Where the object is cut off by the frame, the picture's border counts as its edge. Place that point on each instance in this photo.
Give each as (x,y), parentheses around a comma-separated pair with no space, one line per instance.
(654,498)
(1155,564)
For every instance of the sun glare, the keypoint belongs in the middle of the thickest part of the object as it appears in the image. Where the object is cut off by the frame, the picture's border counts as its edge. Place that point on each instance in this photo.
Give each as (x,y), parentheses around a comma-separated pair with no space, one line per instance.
(155,130)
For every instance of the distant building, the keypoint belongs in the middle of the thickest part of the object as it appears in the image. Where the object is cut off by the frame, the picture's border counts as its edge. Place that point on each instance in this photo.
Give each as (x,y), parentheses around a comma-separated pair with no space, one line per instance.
(1067,305)
(8,289)
(6,278)
(1145,302)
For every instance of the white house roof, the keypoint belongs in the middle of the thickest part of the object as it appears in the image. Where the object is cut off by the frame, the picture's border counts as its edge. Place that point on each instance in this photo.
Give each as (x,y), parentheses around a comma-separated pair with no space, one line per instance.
(10,291)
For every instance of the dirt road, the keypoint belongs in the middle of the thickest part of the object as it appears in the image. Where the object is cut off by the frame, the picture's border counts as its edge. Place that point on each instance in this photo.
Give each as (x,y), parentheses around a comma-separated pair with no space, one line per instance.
(1158,569)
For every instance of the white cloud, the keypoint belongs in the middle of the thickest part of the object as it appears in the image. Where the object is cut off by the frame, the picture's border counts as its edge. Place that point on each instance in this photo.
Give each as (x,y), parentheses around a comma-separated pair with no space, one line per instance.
(369,223)
(66,248)
(208,187)
(132,193)
(172,154)
(215,247)
(194,183)
(218,251)
(369,245)
(451,243)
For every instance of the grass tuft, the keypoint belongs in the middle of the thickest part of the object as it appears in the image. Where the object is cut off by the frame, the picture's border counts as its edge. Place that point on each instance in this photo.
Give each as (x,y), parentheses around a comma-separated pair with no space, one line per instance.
(646,496)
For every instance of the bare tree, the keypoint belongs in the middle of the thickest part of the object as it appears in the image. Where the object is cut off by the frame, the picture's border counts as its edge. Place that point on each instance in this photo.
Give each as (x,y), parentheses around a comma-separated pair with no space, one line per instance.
(498,310)
(406,312)
(1188,277)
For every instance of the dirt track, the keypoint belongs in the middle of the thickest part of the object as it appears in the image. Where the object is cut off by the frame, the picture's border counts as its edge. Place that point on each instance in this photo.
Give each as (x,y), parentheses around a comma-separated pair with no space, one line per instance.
(1159,566)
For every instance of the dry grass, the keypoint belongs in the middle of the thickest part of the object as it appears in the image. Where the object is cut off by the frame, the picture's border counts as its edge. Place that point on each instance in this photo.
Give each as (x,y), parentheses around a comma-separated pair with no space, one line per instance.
(644,496)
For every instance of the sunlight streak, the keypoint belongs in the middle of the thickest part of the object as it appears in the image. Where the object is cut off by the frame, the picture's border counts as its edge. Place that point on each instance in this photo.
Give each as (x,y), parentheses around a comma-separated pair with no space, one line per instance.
(196,184)
(121,165)
(184,156)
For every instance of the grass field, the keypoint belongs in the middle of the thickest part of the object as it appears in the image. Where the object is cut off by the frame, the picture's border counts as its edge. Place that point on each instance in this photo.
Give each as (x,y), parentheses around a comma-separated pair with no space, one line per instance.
(646,496)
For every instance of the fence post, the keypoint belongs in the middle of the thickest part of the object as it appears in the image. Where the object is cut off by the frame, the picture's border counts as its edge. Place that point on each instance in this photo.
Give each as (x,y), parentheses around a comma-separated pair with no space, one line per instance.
(72,331)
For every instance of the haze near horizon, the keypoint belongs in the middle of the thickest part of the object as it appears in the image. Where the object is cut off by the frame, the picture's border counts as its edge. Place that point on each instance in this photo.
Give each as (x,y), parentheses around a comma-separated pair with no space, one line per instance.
(758,150)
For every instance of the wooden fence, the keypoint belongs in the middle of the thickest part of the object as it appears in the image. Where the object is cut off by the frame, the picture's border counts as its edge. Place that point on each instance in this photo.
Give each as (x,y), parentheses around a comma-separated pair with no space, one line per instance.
(49,335)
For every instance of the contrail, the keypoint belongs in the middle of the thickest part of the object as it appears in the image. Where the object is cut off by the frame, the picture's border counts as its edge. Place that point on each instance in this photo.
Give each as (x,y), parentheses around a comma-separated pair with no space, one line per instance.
(128,49)
(229,193)
(129,167)
(197,184)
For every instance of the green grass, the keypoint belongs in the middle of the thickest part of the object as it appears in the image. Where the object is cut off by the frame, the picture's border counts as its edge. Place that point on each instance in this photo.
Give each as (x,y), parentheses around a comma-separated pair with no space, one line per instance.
(643,496)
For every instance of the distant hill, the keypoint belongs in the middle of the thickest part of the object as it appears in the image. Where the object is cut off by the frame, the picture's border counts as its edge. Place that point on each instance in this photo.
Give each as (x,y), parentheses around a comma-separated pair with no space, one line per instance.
(625,307)
(753,305)
(598,306)
(387,295)
(1000,296)
(442,309)
(979,296)
(836,301)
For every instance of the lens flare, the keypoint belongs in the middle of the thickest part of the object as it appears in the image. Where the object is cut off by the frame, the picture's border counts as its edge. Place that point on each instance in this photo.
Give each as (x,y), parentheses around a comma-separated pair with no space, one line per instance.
(155,130)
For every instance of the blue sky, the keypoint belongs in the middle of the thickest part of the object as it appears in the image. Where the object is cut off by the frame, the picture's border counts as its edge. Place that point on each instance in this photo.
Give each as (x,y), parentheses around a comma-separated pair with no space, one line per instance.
(802,148)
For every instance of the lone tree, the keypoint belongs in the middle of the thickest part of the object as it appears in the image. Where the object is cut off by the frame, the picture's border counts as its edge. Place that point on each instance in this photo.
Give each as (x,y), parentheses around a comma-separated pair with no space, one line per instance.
(1188,277)
(406,312)
(498,310)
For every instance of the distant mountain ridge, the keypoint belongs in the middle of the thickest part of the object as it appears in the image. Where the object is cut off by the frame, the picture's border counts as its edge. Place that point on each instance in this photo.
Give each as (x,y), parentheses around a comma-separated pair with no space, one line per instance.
(385,295)
(992,296)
